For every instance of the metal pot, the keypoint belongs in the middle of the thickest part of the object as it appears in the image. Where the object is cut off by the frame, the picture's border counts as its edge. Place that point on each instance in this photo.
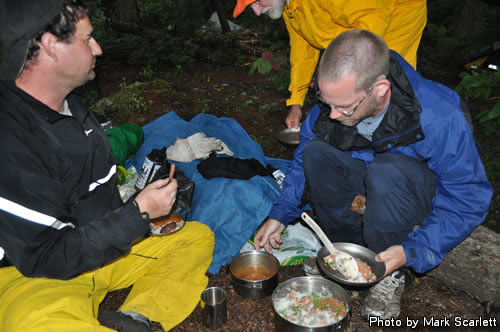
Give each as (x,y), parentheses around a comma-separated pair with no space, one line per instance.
(310,284)
(356,251)
(254,289)
(289,136)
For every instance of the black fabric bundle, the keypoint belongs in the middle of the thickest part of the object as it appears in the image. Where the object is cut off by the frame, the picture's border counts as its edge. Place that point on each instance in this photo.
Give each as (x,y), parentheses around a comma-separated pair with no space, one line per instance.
(234,168)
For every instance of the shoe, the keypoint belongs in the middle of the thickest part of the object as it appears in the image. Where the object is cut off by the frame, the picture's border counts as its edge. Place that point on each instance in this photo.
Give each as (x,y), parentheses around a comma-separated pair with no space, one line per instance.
(123,322)
(384,299)
(310,267)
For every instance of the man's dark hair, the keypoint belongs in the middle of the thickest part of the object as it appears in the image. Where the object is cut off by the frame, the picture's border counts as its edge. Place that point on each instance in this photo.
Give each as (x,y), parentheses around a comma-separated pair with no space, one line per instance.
(62,26)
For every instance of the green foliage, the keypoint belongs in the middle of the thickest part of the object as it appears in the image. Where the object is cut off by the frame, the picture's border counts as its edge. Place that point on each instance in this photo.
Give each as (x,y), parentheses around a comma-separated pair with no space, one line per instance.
(148,72)
(245,104)
(262,66)
(491,162)
(478,84)
(160,86)
(280,76)
(156,13)
(179,18)
(162,55)
(438,47)
(436,31)
(481,84)
(221,48)
(102,33)
(220,87)
(441,10)
(205,105)
(488,115)
(281,79)
(127,100)
(182,22)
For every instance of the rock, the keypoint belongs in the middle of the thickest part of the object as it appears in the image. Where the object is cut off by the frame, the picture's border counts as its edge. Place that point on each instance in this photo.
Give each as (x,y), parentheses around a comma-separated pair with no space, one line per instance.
(474,267)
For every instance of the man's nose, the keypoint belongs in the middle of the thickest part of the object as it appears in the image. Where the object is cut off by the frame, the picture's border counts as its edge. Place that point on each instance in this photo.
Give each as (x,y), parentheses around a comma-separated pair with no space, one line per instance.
(96,48)
(257,8)
(334,114)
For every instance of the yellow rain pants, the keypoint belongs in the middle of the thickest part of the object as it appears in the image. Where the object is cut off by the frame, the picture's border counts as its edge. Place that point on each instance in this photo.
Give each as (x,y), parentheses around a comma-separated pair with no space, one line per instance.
(167,274)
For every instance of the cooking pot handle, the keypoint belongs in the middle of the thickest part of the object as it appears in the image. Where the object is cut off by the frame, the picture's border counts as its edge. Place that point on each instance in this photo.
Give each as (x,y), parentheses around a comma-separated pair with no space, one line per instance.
(246,284)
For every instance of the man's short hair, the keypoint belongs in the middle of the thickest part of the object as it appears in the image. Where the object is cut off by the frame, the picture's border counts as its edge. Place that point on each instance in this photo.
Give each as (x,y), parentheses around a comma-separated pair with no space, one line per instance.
(358,52)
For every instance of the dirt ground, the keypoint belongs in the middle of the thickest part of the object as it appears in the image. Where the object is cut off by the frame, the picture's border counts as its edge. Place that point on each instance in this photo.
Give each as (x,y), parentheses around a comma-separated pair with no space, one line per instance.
(255,104)
(427,298)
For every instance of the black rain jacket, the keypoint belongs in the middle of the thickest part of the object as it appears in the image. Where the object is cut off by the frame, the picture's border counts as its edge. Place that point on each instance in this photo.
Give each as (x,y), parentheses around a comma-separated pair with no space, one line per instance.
(60,210)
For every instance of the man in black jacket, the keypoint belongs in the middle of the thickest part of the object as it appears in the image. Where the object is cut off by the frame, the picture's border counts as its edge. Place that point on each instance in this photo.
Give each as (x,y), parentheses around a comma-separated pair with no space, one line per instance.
(65,233)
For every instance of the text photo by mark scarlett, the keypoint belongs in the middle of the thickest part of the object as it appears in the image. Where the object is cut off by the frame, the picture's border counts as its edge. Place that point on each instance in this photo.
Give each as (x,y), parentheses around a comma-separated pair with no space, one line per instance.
(433,322)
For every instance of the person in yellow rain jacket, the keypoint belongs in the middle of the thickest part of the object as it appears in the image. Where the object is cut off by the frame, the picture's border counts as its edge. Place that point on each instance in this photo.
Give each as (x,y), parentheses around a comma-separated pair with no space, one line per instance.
(313,24)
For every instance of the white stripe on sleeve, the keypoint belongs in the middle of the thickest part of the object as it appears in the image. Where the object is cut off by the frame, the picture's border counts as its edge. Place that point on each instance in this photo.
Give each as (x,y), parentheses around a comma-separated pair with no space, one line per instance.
(105,179)
(32,215)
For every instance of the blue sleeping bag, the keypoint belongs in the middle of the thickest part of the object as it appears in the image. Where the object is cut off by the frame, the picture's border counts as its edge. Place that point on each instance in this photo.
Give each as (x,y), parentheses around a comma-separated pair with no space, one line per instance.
(232,208)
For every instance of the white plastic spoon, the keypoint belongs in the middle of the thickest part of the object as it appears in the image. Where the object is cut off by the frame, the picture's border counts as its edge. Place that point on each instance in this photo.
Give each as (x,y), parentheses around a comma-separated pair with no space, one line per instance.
(344,263)
(319,232)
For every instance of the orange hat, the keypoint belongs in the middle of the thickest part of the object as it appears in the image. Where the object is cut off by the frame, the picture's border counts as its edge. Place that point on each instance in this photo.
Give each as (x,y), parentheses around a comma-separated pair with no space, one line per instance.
(240,6)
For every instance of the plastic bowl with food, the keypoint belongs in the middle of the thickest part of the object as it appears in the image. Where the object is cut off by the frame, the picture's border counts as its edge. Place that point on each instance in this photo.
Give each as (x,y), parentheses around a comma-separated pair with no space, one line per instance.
(311,304)
(370,270)
(168,224)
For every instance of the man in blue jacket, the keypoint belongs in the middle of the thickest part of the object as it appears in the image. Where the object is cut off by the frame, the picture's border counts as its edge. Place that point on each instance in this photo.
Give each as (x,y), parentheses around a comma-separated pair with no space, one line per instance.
(383,132)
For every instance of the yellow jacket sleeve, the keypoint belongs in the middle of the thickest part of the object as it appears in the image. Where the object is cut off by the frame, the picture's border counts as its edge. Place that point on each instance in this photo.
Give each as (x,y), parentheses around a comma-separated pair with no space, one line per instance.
(303,59)
(313,24)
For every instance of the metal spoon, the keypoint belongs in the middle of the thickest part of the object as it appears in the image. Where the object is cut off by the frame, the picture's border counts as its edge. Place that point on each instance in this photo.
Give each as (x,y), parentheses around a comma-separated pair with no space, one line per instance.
(345,263)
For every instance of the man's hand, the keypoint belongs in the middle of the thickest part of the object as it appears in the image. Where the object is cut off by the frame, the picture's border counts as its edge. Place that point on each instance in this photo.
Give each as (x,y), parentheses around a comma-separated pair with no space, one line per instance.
(269,235)
(294,116)
(158,197)
(393,257)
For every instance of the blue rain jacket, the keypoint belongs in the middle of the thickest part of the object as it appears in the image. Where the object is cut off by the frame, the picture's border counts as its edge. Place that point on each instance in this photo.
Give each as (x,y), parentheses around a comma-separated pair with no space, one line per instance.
(426,121)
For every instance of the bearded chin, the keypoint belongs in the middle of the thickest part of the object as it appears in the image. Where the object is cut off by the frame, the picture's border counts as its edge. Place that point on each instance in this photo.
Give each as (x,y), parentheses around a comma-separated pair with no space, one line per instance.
(273,14)
(276,10)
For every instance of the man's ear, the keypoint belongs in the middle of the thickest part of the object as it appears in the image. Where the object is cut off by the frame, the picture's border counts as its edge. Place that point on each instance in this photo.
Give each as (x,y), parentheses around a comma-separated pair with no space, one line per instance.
(382,87)
(48,43)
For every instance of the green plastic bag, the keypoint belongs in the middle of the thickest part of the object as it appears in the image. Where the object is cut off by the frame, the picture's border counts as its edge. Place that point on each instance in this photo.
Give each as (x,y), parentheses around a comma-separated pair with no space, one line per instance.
(125,140)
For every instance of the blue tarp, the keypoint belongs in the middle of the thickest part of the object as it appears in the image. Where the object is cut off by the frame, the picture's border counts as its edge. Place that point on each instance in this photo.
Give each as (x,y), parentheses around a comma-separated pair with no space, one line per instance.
(232,208)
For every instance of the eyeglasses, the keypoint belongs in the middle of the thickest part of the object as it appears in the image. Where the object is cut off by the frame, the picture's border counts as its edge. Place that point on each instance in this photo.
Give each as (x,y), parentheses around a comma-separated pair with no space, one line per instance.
(353,107)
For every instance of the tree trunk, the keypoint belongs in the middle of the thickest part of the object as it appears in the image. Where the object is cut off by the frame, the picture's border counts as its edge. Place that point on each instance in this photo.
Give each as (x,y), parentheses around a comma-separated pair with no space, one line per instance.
(217,5)
(469,17)
(123,10)
(135,29)
(474,267)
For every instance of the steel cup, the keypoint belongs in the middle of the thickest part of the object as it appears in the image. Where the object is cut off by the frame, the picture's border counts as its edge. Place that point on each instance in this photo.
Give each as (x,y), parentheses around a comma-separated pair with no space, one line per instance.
(213,307)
